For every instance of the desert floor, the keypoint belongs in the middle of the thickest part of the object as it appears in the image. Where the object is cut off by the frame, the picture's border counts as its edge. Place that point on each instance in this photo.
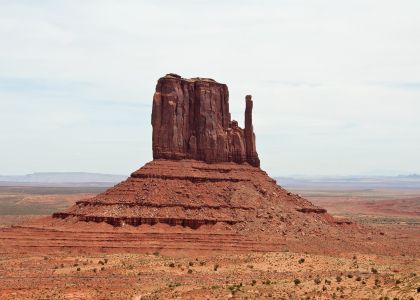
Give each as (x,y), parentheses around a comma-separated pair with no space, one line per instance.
(296,270)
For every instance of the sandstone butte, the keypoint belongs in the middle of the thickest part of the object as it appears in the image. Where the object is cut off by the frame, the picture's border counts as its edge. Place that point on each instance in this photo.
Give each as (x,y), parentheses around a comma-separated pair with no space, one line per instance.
(205,171)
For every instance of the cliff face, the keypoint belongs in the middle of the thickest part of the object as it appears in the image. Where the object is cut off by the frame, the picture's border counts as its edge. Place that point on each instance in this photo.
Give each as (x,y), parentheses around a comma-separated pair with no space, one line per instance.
(191,120)
(192,127)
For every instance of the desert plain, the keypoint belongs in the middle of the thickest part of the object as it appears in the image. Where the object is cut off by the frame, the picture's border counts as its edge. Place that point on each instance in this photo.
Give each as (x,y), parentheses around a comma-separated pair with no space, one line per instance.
(130,263)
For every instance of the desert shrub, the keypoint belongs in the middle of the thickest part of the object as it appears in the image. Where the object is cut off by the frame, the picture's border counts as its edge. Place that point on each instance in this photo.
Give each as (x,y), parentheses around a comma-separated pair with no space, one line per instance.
(267,282)
(62,265)
(397,281)
(191,264)
(94,270)
(106,260)
(253,282)
(358,278)
(317,280)
(327,281)
(190,271)
(301,261)
(173,284)
(374,271)
(338,278)
(296,281)
(172,265)
(101,262)
(350,276)
(324,288)
(418,289)
(377,282)
(202,263)
(156,253)
(78,269)
(216,266)
(235,288)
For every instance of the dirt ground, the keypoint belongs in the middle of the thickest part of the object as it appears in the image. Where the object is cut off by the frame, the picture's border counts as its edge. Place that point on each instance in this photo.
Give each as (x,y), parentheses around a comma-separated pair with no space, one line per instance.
(131,263)
(368,206)
(278,275)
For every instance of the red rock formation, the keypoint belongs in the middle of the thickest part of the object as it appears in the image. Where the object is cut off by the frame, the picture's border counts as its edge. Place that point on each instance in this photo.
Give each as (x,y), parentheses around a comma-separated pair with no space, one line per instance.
(193,193)
(191,120)
(192,128)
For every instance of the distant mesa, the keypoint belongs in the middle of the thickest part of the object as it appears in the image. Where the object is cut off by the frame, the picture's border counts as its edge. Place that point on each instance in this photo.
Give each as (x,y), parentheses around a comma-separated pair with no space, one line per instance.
(205,171)
(61,178)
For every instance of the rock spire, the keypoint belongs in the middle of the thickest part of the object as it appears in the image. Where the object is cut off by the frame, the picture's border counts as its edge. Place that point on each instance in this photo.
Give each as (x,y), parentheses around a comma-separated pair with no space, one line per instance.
(191,120)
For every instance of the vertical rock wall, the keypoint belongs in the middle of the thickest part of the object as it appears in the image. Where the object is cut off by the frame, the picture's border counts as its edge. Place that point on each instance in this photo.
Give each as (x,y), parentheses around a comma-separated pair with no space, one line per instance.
(191,120)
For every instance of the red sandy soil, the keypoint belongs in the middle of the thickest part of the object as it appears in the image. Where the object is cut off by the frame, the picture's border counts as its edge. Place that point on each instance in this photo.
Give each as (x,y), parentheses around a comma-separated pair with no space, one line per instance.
(371,206)
(9,220)
(270,249)
(394,207)
(45,199)
(86,260)
(98,261)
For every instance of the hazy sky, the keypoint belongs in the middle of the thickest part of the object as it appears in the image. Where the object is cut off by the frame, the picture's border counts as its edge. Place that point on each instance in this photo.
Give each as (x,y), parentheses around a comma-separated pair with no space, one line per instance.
(336,84)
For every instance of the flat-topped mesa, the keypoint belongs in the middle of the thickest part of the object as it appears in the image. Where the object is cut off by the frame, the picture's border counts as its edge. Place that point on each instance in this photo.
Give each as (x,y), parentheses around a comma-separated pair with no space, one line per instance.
(191,120)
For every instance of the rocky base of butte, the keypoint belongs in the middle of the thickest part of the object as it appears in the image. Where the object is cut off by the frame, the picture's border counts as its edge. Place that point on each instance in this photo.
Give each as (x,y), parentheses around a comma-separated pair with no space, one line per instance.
(205,172)
(193,193)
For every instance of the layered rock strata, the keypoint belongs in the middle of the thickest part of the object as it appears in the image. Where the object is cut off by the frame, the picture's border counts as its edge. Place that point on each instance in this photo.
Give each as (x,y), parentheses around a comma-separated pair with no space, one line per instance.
(205,172)
(193,193)
(191,120)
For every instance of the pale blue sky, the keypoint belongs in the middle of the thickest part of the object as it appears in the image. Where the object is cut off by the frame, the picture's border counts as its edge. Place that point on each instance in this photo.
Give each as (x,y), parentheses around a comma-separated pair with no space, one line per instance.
(336,84)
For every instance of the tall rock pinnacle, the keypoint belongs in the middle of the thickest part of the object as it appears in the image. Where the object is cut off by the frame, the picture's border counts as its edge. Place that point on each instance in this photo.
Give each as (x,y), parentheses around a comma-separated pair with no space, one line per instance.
(191,120)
